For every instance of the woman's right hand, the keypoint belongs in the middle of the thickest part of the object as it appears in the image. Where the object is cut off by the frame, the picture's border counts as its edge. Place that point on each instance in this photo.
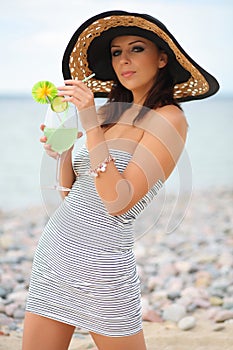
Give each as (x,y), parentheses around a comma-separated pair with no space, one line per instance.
(47,147)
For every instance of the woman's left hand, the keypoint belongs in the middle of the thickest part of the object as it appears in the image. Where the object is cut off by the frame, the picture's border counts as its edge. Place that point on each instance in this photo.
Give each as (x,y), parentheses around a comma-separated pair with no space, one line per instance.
(82,97)
(78,93)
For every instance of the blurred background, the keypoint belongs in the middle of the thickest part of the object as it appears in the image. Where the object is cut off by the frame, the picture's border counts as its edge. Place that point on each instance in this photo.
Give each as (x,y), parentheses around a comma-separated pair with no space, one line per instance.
(34,37)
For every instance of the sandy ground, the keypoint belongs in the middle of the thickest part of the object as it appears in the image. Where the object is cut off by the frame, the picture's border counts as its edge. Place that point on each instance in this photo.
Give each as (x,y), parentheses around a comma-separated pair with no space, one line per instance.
(162,336)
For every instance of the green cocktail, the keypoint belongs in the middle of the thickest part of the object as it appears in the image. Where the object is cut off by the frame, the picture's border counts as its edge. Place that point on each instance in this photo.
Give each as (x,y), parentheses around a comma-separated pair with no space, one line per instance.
(60,139)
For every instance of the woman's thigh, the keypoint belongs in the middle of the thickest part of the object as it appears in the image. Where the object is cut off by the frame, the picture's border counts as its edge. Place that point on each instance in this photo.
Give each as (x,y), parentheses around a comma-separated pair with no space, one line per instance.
(44,333)
(132,342)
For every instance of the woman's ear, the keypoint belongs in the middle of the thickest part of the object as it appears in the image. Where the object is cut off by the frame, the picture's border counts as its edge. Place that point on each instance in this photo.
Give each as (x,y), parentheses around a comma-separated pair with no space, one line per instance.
(163,59)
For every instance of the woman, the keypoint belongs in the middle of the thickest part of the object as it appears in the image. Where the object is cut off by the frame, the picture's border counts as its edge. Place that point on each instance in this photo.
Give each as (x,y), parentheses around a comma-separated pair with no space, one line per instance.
(84,272)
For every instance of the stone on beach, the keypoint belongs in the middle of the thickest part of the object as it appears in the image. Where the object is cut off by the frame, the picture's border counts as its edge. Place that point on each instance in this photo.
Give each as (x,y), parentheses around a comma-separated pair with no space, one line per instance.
(181,273)
(193,265)
(216,301)
(224,315)
(148,314)
(187,323)
(174,313)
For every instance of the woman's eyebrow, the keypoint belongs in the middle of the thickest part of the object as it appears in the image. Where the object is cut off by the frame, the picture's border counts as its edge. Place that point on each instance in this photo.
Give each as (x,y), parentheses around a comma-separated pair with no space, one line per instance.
(131,43)
(137,41)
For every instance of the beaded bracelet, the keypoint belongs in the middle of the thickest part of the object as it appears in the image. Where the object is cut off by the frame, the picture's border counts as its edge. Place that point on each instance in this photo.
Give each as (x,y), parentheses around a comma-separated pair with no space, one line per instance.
(101,168)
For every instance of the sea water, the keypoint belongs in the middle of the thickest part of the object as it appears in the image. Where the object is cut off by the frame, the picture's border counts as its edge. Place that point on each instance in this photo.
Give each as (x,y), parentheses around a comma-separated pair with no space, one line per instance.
(208,162)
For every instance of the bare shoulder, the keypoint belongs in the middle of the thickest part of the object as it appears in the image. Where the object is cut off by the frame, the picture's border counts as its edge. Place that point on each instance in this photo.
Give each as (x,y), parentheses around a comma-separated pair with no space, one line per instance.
(173,113)
(175,116)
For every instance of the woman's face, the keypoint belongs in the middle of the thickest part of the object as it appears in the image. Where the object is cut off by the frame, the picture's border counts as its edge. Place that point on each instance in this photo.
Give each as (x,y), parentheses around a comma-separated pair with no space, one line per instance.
(136,61)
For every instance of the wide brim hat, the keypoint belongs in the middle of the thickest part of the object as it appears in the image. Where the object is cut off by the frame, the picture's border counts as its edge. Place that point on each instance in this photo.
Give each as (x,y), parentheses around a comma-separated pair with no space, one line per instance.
(89,52)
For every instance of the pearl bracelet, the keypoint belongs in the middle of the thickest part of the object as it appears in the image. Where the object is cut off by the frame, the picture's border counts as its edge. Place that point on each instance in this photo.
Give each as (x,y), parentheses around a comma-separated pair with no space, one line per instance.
(101,168)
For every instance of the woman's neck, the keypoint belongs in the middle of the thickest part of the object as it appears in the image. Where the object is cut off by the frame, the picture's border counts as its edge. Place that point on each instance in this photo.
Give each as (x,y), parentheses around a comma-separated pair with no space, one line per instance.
(139,97)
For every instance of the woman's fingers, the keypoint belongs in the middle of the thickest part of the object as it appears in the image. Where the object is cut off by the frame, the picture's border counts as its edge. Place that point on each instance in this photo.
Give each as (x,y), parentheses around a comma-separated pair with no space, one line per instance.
(47,147)
(72,85)
(80,134)
(78,93)
(70,89)
(50,152)
(43,139)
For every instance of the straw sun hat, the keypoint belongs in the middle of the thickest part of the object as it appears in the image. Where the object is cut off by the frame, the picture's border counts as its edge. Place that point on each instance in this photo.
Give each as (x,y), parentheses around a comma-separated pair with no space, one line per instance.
(89,52)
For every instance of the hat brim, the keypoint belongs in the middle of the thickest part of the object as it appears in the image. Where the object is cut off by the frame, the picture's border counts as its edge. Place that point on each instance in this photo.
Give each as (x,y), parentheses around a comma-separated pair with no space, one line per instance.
(89,51)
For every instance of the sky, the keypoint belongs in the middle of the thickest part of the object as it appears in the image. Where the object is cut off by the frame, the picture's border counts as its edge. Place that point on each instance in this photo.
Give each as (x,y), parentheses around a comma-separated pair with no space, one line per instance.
(34,35)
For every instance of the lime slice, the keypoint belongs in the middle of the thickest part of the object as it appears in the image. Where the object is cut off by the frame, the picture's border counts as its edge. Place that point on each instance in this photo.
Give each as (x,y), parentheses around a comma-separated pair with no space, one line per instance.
(58,105)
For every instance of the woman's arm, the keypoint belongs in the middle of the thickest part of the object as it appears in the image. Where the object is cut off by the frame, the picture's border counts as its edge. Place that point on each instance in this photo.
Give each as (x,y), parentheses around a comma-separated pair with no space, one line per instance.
(67,175)
(154,158)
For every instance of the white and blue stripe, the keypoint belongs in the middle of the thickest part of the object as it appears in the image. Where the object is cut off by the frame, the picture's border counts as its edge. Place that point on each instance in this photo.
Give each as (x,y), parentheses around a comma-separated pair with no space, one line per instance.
(84,270)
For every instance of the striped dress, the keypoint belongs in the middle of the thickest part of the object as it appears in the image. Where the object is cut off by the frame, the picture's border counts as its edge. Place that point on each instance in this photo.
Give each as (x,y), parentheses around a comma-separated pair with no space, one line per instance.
(84,271)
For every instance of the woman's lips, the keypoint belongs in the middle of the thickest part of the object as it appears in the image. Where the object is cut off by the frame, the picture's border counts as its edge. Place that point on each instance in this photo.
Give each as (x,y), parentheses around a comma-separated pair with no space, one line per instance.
(127,74)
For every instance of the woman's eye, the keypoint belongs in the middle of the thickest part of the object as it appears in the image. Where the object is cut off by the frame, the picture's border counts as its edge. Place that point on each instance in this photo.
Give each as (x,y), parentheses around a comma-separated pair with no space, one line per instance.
(116,53)
(138,49)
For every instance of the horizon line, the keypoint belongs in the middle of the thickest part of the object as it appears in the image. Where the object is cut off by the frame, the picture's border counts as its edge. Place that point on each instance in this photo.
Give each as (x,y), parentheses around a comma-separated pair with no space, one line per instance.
(28,95)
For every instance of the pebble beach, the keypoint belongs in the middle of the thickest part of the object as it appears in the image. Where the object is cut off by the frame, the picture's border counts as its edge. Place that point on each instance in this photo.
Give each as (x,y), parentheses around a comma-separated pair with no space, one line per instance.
(186,275)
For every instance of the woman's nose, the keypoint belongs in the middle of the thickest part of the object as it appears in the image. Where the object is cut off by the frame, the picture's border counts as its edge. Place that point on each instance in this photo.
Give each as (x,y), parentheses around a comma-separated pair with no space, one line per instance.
(125,58)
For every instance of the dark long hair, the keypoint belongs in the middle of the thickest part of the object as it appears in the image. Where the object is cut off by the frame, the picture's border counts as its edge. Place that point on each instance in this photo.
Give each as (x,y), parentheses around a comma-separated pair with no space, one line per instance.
(160,94)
